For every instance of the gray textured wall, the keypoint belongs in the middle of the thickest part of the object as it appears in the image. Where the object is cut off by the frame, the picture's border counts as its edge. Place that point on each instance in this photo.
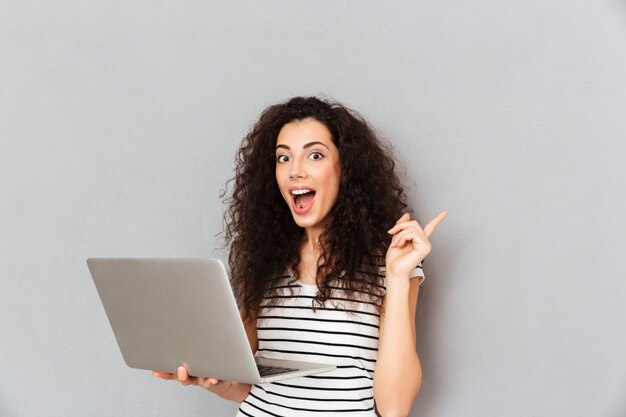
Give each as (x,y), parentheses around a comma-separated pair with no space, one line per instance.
(119,121)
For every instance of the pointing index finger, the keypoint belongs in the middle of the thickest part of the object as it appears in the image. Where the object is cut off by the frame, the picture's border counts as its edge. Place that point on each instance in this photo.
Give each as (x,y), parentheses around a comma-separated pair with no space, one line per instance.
(430,227)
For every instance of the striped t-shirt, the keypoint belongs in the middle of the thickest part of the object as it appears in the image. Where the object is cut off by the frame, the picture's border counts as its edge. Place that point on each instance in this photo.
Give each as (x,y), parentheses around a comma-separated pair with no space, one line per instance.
(342,332)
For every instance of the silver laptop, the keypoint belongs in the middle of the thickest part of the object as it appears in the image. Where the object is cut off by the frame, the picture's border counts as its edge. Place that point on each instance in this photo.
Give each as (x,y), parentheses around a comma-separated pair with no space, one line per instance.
(180,311)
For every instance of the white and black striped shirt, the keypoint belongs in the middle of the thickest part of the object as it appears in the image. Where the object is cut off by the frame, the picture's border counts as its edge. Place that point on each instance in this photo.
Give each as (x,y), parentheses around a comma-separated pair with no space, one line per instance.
(342,332)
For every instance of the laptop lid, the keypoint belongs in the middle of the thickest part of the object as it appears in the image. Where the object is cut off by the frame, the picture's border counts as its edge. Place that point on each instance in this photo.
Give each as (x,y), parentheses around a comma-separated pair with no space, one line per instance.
(167,312)
(175,311)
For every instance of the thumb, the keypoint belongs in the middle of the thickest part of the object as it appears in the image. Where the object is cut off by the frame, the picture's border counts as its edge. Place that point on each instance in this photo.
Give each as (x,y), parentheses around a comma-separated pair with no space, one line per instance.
(404,218)
(182,373)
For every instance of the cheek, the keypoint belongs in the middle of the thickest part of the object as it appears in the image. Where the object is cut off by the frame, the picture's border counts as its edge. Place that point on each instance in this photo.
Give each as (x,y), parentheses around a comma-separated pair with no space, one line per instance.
(277,172)
(335,192)
(336,180)
(279,175)
(332,186)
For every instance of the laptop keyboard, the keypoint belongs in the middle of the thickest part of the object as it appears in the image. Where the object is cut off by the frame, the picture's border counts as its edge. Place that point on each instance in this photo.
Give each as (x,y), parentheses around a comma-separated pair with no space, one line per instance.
(273,370)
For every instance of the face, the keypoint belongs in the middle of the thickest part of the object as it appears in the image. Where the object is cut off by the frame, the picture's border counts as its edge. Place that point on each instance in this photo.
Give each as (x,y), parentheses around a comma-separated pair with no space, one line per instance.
(307,171)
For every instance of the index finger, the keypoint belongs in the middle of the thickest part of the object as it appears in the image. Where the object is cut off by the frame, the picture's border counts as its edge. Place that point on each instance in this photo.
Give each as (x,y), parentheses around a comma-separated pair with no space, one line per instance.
(430,227)
(164,375)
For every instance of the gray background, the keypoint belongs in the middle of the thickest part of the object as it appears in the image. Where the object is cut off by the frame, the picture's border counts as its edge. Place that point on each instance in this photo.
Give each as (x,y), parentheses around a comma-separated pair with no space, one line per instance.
(119,122)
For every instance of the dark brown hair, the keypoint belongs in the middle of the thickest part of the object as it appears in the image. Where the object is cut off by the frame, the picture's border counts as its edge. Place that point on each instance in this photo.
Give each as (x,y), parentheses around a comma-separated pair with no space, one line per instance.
(264,239)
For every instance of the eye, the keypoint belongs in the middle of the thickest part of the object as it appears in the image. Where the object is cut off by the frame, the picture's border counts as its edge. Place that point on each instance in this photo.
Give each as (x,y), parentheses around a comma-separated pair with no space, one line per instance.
(320,156)
(281,156)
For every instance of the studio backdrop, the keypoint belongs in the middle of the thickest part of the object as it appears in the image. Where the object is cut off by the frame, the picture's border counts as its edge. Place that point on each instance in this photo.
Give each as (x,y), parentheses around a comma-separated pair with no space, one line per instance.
(119,123)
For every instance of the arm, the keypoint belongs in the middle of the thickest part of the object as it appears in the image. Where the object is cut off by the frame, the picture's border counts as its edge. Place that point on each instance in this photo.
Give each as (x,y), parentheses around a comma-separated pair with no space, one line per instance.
(398,372)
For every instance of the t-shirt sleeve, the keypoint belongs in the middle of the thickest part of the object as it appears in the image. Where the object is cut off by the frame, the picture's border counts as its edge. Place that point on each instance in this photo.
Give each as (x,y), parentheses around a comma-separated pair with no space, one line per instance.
(418,272)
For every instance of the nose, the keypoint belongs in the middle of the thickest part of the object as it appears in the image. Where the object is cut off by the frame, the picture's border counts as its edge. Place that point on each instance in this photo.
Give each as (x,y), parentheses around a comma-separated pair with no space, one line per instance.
(296,170)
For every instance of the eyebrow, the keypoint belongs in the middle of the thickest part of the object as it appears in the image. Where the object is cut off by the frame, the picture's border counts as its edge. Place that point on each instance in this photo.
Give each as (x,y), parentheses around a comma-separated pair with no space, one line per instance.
(308,145)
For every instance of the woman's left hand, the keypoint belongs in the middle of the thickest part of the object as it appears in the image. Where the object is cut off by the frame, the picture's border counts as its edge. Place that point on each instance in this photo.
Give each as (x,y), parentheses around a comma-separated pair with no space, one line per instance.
(410,244)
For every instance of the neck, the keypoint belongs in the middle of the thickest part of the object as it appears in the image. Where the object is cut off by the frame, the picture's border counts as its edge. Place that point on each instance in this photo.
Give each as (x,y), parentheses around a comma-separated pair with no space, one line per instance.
(311,242)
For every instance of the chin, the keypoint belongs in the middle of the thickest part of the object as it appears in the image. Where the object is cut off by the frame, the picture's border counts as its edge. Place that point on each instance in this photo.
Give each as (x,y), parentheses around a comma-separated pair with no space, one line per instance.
(303,221)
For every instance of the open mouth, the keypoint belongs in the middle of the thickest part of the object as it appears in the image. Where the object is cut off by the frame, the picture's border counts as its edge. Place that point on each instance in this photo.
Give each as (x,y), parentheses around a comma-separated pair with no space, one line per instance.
(303,200)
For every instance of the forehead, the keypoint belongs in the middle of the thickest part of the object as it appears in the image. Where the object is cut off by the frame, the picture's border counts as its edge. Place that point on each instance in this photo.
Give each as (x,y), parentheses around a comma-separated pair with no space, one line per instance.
(303,131)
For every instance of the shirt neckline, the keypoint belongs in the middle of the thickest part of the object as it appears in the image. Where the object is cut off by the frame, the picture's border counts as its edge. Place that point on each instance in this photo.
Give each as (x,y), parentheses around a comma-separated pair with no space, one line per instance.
(305,285)
(302,284)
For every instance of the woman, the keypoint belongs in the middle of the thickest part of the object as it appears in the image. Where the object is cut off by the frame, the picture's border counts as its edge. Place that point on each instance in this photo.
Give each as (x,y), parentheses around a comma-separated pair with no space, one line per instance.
(319,268)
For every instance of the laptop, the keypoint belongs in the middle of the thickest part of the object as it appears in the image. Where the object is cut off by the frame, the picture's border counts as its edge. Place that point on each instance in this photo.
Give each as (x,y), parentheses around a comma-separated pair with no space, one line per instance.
(168,312)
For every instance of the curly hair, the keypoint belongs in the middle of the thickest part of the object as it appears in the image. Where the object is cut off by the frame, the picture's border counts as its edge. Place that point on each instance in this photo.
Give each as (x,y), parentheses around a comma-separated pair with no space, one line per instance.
(263,237)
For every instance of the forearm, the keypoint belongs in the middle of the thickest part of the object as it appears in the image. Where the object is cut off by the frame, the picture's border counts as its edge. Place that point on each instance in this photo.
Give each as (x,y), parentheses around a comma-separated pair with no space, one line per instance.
(398,373)
(236,392)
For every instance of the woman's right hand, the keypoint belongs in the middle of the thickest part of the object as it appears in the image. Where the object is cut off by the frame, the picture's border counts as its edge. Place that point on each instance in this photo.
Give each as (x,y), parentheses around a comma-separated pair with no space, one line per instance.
(214,385)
